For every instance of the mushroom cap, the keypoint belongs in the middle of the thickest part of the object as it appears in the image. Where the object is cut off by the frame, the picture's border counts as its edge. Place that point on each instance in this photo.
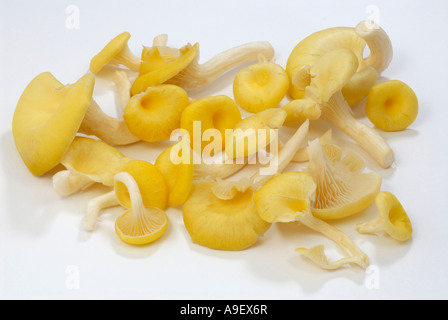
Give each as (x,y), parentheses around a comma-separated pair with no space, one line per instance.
(250,129)
(95,159)
(152,115)
(179,176)
(328,75)
(342,189)
(160,72)
(150,181)
(213,112)
(308,51)
(222,224)
(112,49)
(47,117)
(392,105)
(395,219)
(260,86)
(284,196)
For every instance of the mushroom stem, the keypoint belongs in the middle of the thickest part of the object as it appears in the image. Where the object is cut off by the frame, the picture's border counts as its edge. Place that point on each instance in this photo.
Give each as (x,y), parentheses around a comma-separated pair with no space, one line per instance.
(227,189)
(379,43)
(338,112)
(123,85)
(160,40)
(110,130)
(374,226)
(317,255)
(198,75)
(95,206)
(137,206)
(66,183)
(127,59)
(216,171)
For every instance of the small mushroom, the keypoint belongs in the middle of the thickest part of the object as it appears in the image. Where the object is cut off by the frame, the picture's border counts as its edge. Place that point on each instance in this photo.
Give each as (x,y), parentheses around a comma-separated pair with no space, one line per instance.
(116,52)
(260,86)
(47,117)
(323,98)
(392,105)
(213,112)
(157,68)
(153,115)
(392,218)
(140,224)
(152,187)
(287,198)
(89,161)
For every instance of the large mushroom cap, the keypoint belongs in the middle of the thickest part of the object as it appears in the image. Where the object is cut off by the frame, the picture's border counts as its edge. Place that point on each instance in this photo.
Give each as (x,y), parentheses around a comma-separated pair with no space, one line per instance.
(312,48)
(222,224)
(47,117)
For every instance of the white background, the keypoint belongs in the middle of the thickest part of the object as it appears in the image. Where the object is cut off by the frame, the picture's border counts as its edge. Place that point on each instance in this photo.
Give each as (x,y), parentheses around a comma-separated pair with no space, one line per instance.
(44,252)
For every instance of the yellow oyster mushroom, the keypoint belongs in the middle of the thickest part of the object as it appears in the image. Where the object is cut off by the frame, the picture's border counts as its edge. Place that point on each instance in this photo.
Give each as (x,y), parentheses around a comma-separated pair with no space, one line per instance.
(163,64)
(222,224)
(392,105)
(308,51)
(156,69)
(260,86)
(50,96)
(254,133)
(179,176)
(392,218)
(323,99)
(342,188)
(214,112)
(116,52)
(287,198)
(47,117)
(89,161)
(140,224)
(153,115)
(151,182)
(197,75)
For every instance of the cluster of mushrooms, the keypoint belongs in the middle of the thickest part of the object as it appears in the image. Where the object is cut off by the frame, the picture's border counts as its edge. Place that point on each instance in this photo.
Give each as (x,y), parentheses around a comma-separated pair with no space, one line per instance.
(226,205)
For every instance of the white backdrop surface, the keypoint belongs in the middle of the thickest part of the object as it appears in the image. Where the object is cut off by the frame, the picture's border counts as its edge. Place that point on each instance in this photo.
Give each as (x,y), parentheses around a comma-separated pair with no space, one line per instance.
(44,252)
